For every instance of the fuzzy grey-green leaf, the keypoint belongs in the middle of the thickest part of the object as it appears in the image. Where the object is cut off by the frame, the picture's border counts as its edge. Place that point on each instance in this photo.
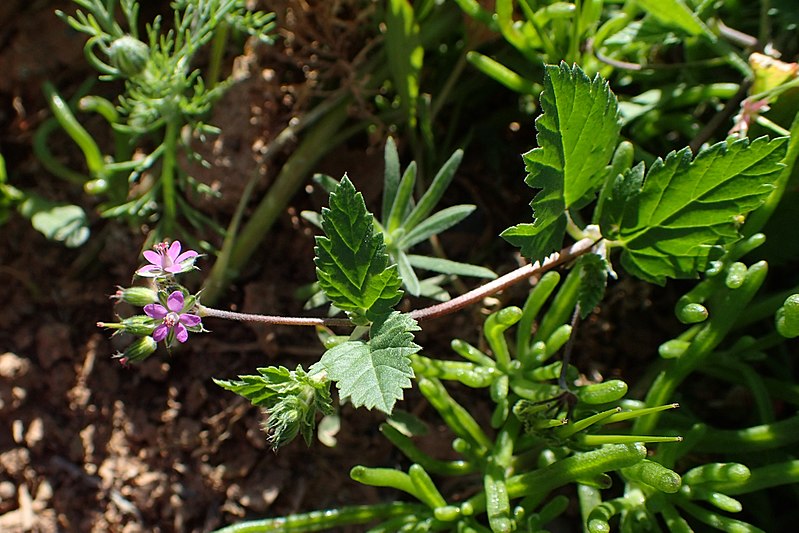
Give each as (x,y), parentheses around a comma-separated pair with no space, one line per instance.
(373,373)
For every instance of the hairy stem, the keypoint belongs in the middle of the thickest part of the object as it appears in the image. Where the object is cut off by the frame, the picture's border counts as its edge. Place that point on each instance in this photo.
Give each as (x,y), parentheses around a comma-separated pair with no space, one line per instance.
(434,311)
(271,319)
(492,287)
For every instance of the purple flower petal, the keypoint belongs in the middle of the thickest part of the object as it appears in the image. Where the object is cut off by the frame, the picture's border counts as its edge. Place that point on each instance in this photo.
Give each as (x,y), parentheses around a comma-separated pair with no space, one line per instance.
(190,320)
(153,257)
(181,333)
(147,269)
(175,302)
(174,269)
(185,256)
(160,332)
(155,310)
(174,251)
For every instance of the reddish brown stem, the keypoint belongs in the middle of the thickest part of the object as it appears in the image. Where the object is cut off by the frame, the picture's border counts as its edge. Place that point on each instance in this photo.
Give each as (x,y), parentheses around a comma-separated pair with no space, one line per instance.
(434,311)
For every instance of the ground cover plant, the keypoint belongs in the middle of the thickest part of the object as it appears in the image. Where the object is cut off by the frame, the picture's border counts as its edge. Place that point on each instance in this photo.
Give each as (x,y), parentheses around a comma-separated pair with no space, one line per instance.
(677,219)
(533,439)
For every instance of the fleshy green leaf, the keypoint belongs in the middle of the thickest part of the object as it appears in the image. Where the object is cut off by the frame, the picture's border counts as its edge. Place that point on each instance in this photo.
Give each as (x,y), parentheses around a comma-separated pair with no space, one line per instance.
(292,399)
(576,136)
(684,208)
(676,13)
(351,262)
(405,53)
(373,373)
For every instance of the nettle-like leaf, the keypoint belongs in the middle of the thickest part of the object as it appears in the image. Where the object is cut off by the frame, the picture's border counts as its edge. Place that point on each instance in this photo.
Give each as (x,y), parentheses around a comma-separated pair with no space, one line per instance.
(669,221)
(372,373)
(577,134)
(292,399)
(351,262)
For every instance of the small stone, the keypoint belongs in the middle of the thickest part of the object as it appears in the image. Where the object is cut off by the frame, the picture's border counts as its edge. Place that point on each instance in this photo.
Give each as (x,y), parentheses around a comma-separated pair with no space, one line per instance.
(7,490)
(13,367)
(17,431)
(35,433)
(13,462)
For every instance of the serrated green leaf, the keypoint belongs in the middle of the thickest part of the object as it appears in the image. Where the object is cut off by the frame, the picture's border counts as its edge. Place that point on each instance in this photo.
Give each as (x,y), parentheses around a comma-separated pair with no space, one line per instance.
(373,373)
(593,280)
(351,262)
(577,134)
(620,195)
(685,208)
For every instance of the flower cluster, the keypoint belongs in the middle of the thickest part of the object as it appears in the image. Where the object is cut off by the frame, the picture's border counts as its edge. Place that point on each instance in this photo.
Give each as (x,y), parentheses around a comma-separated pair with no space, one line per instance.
(172,320)
(167,306)
(166,260)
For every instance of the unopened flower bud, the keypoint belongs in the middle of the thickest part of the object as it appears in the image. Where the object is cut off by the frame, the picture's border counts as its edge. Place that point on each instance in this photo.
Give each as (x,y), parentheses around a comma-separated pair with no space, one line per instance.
(138,325)
(139,350)
(138,296)
(129,55)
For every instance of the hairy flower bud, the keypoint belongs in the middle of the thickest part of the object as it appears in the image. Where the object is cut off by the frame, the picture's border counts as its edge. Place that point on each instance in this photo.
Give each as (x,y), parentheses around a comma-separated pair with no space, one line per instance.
(138,325)
(139,350)
(129,55)
(138,296)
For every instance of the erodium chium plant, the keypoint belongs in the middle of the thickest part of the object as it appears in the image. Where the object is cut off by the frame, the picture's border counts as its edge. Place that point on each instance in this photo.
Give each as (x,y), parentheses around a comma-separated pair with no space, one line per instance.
(634,463)
(156,119)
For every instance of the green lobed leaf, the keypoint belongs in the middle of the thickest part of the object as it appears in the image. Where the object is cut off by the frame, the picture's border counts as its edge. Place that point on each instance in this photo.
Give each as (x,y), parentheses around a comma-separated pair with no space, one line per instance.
(373,373)
(669,222)
(620,195)
(577,134)
(351,262)
(292,399)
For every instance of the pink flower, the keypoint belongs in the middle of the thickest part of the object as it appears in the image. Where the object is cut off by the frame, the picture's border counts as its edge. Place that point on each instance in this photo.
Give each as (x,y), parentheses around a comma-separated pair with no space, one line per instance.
(173,321)
(750,111)
(166,259)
